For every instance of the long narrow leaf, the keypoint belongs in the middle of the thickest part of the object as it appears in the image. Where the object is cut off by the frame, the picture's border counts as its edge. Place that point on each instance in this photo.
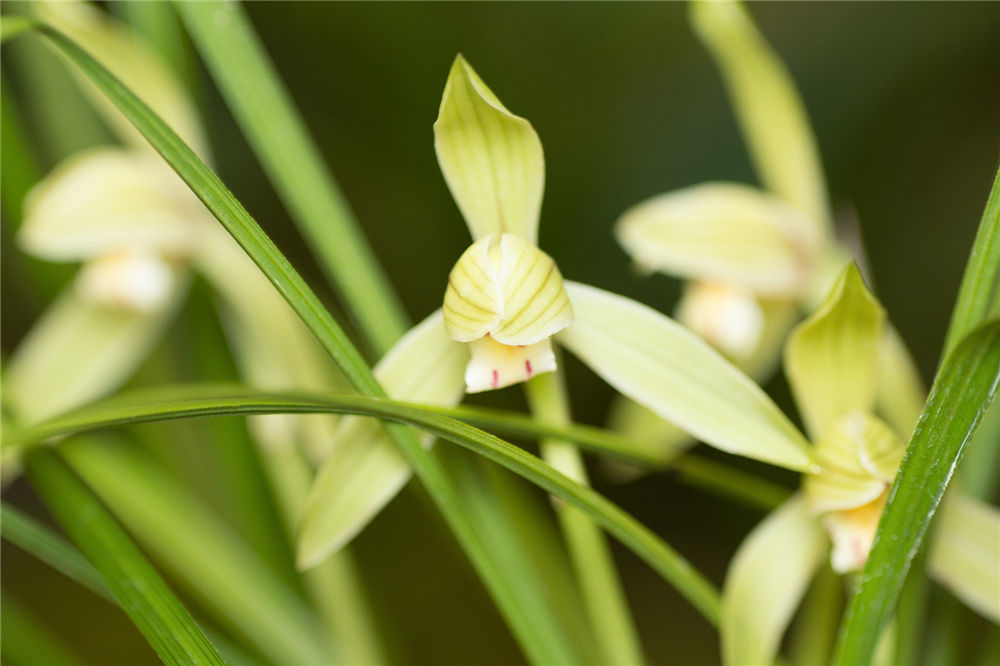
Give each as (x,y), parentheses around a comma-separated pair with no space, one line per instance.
(979,295)
(962,393)
(276,132)
(634,535)
(134,583)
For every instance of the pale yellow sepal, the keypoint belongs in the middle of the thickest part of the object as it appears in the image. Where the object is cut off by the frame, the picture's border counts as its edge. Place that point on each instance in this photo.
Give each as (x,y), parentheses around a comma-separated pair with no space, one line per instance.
(766,580)
(858,458)
(79,351)
(831,358)
(655,361)
(723,233)
(901,391)
(364,470)
(132,61)
(491,159)
(965,554)
(508,289)
(107,200)
(770,113)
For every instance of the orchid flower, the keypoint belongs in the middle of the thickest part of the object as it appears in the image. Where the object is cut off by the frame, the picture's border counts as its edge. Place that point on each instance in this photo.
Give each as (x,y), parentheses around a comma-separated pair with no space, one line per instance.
(138,232)
(832,363)
(506,305)
(753,259)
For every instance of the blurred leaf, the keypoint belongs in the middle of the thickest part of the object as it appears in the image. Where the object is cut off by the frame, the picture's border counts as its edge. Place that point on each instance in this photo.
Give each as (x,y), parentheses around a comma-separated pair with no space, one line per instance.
(635,536)
(265,111)
(901,392)
(26,641)
(963,391)
(664,366)
(131,579)
(199,550)
(831,358)
(766,580)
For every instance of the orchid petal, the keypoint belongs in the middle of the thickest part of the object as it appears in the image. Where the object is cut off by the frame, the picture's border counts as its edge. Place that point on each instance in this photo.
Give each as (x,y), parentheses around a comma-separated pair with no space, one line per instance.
(724,233)
(831,358)
(508,289)
(107,200)
(965,554)
(79,351)
(766,581)
(665,367)
(135,63)
(901,391)
(858,457)
(491,159)
(770,113)
(363,470)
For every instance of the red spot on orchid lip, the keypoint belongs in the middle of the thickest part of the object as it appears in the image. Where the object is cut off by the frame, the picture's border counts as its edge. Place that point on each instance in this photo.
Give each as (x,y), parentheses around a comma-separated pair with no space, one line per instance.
(496,379)
(527,366)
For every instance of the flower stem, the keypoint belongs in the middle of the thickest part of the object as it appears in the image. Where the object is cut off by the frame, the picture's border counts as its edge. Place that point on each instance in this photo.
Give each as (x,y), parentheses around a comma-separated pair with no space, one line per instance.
(604,598)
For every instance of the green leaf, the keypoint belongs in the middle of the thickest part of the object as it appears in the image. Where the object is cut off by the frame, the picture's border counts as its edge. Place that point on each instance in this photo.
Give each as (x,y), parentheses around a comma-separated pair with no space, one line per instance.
(771,115)
(491,159)
(965,552)
(962,393)
(722,232)
(262,106)
(131,579)
(206,556)
(133,409)
(765,582)
(662,365)
(25,640)
(831,359)
(979,296)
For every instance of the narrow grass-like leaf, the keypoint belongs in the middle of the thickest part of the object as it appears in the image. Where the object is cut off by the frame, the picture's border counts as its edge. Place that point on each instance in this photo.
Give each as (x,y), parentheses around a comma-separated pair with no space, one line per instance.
(131,579)
(963,391)
(25,640)
(207,186)
(979,296)
(42,542)
(634,535)
(263,108)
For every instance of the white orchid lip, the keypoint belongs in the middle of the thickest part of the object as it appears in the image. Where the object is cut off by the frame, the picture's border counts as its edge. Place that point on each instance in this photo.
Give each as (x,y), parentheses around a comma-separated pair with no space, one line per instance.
(130,279)
(727,316)
(506,298)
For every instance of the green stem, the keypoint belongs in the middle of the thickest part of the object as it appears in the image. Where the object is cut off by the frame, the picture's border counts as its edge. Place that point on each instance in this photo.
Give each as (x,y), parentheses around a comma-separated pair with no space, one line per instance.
(603,596)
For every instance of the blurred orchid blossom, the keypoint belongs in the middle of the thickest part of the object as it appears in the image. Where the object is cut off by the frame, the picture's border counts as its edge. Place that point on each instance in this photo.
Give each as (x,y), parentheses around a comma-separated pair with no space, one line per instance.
(754,259)
(833,366)
(504,305)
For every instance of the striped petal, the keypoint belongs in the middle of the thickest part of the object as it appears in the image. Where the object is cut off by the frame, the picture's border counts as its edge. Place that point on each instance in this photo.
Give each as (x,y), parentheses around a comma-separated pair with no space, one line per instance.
(660,364)
(506,288)
(723,233)
(766,581)
(491,159)
(363,470)
(831,358)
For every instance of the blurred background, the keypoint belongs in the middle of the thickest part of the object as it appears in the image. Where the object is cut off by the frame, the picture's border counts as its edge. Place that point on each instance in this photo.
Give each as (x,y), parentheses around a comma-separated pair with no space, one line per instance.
(905,103)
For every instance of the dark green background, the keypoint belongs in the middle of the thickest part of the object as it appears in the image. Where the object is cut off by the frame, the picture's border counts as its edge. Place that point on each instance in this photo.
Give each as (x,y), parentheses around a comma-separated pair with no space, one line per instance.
(905,102)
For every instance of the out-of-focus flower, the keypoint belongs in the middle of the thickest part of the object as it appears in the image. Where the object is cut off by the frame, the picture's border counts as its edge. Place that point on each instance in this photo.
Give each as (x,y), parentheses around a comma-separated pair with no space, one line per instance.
(505,307)
(832,361)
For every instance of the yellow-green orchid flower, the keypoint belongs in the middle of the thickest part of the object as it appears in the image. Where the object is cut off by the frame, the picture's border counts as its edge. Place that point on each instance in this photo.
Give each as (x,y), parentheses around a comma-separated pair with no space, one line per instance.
(753,259)
(833,366)
(505,306)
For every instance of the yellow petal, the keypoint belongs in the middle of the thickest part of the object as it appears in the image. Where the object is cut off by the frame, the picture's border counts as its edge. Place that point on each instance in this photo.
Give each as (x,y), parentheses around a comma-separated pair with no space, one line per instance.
(491,159)
(507,288)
